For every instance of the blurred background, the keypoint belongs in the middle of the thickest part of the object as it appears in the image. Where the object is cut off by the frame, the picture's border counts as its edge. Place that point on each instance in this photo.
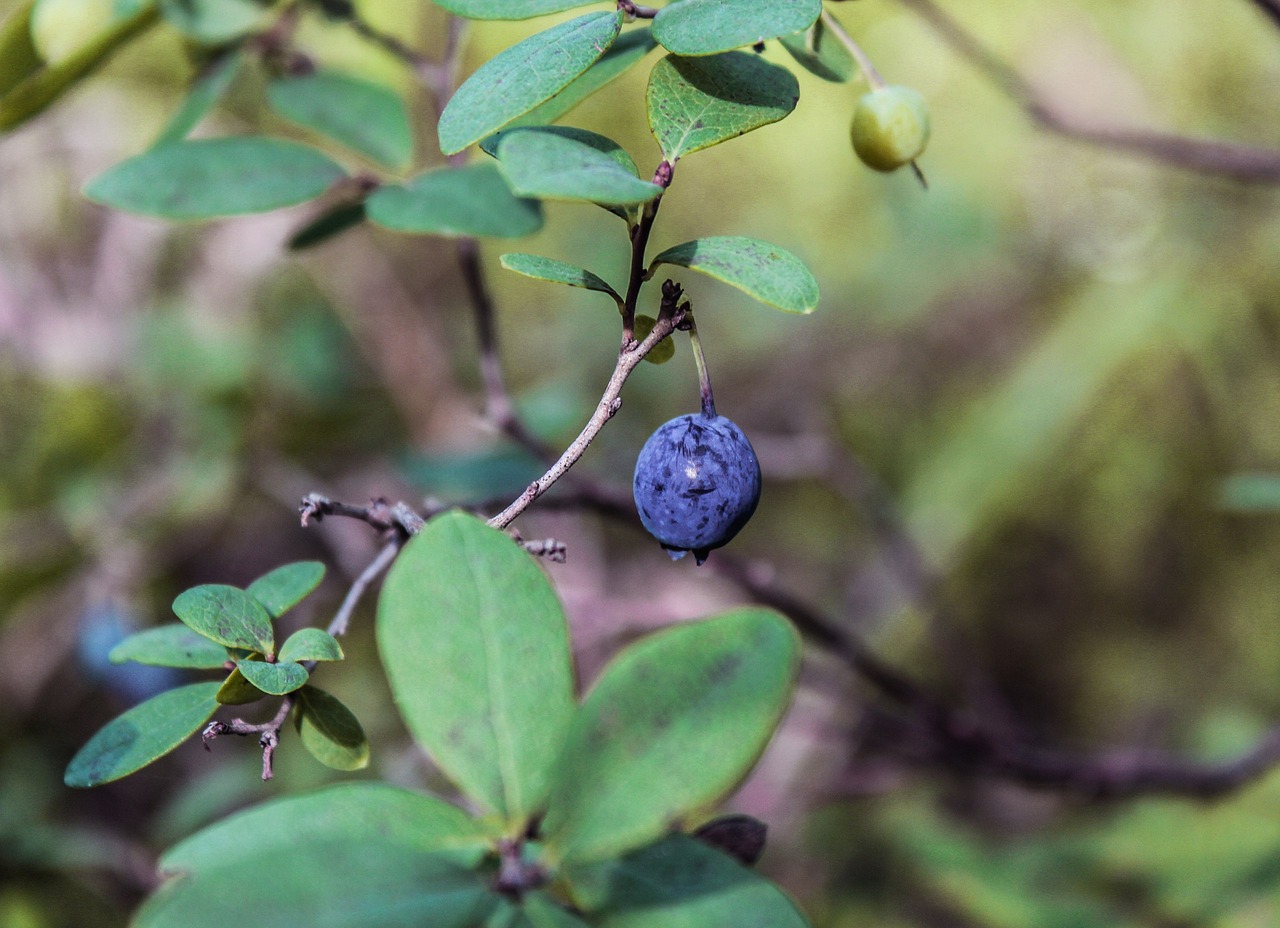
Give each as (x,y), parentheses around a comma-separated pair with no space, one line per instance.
(1024,449)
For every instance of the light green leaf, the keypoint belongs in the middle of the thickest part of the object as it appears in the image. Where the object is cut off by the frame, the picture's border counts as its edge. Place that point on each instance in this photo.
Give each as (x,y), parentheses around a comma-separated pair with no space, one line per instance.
(672,725)
(144,734)
(705,27)
(215,22)
(542,912)
(557,272)
(227,615)
(18,56)
(207,178)
(761,270)
(170,646)
(274,679)
(237,691)
(366,117)
(329,731)
(210,86)
(681,883)
(283,588)
(820,53)
(551,166)
(477,653)
(471,200)
(311,644)
(509,9)
(489,144)
(359,855)
(695,103)
(528,73)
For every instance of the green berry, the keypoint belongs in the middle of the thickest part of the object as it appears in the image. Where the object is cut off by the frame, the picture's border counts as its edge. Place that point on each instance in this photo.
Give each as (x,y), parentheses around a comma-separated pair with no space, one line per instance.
(890,127)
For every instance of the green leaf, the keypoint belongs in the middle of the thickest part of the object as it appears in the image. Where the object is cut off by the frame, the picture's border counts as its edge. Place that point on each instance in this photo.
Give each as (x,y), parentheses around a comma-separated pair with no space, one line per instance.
(329,223)
(283,588)
(761,270)
(681,883)
(820,53)
(311,644)
(509,9)
(557,272)
(662,352)
(144,734)
(518,79)
(695,103)
(207,178)
(704,27)
(18,56)
(227,615)
(542,164)
(237,691)
(170,646)
(489,144)
(359,855)
(210,86)
(542,912)
(471,200)
(274,679)
(672,725)
(329,731)
(477,654)
(215,22)
(366,117)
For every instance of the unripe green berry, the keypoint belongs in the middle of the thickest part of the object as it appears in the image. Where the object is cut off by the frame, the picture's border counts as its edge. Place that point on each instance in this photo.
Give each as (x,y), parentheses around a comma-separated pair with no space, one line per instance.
(890,127)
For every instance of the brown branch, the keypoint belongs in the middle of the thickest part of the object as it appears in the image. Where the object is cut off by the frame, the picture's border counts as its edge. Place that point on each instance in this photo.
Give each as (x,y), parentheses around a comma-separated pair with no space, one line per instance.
(268,734)
(342,618)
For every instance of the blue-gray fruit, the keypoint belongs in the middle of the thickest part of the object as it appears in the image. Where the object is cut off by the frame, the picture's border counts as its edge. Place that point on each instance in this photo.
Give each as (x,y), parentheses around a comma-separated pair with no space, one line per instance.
(697,483)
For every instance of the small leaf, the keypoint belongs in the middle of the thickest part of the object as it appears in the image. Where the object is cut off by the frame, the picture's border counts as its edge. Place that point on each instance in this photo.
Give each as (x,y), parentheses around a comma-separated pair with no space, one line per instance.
(214,22)
(227,615)
(18,56)
(489,144)
(761,270)
(144,734)
(820,53)
(311,644)
(210,86)
(543,912)
(170,646)
(509,9)
(557,272)
(695,103)
(329,223)
(237,691)
(276,679)
(551,166)
(366,117)
(207,178)
(477,654)
(518,79)
(359,855)
(705,27)
(681,883)
(471,200)
(662,352)
(283,588)
(673,724)
(329,731)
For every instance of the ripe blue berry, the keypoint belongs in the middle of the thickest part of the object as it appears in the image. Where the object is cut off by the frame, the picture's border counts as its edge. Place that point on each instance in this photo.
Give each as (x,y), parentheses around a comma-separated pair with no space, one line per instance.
(697,483)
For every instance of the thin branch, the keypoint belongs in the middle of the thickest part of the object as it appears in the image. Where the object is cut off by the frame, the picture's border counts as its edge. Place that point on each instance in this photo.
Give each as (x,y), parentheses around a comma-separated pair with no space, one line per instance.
(268,734)
(397,519)
(342,619)
(639,243)
(864,62)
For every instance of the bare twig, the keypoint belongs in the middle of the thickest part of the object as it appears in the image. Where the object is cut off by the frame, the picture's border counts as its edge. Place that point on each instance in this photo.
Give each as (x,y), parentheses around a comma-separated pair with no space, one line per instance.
(864,62)
(397,518)
(379,564)
(268,733)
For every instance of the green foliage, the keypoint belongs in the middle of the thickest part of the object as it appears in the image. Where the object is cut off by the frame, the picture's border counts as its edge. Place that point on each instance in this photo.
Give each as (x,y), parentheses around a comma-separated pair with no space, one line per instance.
(310,644)
(757,268)
(276,679)
(662,352)
(214,22)
(705,27)
(283,588)
(509,9)
(820,53)
(206,91)
(556,166)
(471,200)
(329,730)
(18,56)
(171,646)
(364,116)
(557,272)
(227,615)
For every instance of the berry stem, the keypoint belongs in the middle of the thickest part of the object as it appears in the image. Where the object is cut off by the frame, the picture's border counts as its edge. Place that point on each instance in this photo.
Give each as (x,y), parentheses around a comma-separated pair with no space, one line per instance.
(704,378)
(864,63)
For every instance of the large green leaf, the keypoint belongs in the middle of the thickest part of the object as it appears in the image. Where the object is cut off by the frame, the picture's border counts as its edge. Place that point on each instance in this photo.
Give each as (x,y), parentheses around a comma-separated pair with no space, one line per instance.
(170,646)
(509,9)
(366,117)
(18,56)
(820,53)
(704,27)
(227,615)
(210,85)
(552,166)
(311,644)
(675,721)
(470,200)
(144,734)
(273,679)
(359,855)
(214,22)
(558,272)
(329,730)
(208,178)
(477,654)
(518,79)
(695,103)
(680,883)
(283,588)
(764,271)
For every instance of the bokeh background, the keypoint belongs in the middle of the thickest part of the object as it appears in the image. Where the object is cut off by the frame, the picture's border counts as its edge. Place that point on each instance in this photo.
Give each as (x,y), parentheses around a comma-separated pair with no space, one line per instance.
(1023,448)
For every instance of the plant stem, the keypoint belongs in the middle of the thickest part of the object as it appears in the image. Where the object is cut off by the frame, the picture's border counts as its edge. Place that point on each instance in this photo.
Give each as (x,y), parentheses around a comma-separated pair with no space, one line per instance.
(864,62)
(704,377)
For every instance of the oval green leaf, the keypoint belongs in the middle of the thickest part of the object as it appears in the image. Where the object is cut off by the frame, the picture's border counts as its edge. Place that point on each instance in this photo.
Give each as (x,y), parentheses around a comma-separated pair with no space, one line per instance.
(672,725)
(215,22)
(542,912)
(509,9)
(695,103)
(557,272)
(283,588)
(477,654)
(761,270)
(170,646)
(366,117)
(471,200)
(329,730)
(276,679)
(210,86)
(237,691)
(552,166)
(705,27)
(528,73)
(311,644)
(359,855)
(207,178)
(144,734)
(820,53)
(227,615)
